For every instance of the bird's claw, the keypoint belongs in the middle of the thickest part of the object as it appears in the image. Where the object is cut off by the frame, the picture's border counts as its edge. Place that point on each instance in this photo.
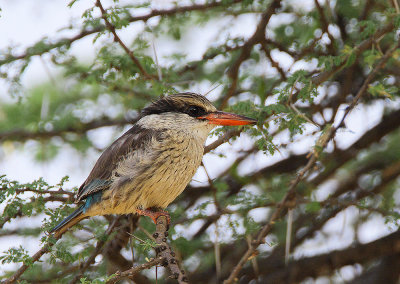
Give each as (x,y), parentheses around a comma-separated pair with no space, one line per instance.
(154,215)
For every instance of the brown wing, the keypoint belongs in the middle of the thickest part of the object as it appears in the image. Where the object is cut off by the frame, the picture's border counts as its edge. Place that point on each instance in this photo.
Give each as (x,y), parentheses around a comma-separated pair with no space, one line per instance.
(100,177)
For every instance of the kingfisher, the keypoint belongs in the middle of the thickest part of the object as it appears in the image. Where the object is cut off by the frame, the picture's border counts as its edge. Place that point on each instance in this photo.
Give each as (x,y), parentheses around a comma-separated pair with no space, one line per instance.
(146,168)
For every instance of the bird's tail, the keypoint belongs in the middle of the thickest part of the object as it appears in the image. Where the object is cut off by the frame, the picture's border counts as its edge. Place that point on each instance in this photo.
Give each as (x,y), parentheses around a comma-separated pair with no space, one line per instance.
(68,222)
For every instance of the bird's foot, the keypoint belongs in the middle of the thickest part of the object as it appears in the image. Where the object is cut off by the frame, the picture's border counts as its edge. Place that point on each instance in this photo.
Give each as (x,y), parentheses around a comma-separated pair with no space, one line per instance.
(154,214)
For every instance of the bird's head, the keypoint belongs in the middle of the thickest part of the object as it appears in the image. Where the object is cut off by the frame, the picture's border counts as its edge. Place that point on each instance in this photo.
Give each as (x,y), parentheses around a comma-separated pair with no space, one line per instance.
(189,111)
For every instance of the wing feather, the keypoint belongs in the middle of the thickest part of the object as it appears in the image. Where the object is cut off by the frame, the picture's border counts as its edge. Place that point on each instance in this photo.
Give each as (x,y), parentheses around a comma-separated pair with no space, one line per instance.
(99,178)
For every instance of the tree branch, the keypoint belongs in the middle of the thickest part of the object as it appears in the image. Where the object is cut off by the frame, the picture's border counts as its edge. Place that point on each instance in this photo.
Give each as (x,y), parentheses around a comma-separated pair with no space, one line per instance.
(257,37)
(99,247)
(325,264)
(22,134)
(164,251)
(313,158)
(111,28)
(24,267)
(135,270)
(30,51)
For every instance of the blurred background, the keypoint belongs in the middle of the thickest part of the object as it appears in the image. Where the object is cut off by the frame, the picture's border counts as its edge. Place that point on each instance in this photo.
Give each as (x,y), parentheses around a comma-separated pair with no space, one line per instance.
(68,89)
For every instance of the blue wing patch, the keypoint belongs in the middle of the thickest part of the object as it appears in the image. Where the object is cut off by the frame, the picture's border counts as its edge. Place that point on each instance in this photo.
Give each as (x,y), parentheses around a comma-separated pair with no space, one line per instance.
(92,199)
(94,186)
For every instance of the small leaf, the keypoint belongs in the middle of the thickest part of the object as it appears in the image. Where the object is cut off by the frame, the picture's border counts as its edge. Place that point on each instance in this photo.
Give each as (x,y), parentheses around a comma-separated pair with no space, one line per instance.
(313,207)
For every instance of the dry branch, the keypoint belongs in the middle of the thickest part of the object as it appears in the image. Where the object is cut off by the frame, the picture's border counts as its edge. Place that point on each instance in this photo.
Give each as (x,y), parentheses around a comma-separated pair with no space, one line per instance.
(135,270)
(164,251)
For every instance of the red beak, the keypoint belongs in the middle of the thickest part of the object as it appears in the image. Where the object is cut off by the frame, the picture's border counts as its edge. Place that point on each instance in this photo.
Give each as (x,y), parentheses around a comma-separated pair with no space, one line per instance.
(226,118)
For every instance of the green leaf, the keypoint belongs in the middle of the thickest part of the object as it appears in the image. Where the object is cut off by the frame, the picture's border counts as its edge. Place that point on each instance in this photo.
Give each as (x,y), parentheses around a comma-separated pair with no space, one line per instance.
(313,207)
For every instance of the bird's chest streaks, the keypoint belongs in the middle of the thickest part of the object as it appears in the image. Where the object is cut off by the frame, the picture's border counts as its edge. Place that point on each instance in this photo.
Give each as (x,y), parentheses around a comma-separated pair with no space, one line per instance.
(155,176)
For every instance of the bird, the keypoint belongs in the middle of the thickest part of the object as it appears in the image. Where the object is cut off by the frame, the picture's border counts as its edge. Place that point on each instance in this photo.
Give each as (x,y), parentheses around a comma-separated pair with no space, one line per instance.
(146,168)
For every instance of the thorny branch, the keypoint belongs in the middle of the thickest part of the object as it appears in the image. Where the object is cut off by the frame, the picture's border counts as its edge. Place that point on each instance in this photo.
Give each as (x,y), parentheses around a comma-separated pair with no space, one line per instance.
(164,251)
(121,43)
(290,195)
(24,267)
(99,247)
(325,26)
(135,270)
(46,248)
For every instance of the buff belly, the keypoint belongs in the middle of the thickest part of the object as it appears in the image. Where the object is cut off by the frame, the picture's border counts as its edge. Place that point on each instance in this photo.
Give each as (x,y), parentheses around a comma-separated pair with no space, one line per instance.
(166,176)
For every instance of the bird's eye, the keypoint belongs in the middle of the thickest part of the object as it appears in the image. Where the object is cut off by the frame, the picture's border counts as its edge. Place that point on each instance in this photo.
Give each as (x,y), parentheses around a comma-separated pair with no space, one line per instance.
(195,111)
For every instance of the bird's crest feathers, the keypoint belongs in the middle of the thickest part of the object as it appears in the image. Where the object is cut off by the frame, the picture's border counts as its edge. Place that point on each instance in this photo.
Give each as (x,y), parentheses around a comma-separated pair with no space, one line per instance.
(180,102)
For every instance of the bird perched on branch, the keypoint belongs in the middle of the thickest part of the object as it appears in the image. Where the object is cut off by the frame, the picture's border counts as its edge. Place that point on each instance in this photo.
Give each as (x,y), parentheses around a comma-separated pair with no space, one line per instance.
(150,165)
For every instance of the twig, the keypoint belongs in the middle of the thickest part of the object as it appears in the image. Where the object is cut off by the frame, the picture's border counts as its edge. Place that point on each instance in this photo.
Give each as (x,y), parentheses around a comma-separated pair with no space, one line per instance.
(221,140)
(212,187)
(273,62)
(324,264)
(325,26)
(257,37)
(325,75)
(111,28)
(24,267)
(294,108)
(289,196)
(159,72)
(365,85)
(217,251)
(254,259)
(22,134)
(44,250)
(135,270)
(164,251)
(8,218)
(51,192)
(99,246)
(153,13)
(396,5)
(147,233)
(288,235)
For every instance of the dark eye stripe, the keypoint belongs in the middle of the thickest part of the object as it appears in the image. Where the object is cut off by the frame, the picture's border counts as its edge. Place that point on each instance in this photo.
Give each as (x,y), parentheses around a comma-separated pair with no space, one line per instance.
(195,111)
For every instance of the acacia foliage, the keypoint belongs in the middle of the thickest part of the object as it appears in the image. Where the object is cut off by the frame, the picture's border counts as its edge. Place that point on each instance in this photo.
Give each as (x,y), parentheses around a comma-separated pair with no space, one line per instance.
(301,70)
